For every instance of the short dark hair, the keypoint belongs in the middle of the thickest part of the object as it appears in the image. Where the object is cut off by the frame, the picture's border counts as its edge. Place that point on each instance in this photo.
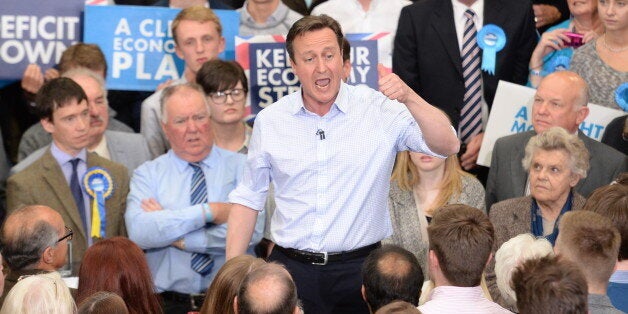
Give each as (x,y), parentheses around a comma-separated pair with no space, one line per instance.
(55,94)
(285,292)
(24,247)
(611,201)
(590,241)
(346,50)
(462,238)
(83,55)
(311,23)
(218,75)
(391,273)
(549,284)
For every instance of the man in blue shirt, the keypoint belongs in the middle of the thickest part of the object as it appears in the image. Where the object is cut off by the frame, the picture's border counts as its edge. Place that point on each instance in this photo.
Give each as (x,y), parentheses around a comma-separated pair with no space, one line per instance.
(176,210)
(329,151)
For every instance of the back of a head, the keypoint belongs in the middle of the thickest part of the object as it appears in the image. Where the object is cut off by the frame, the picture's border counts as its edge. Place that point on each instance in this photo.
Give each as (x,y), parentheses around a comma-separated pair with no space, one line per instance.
(103,302)
(590,241)
(85,56)
(611,201)
(118,265)
(227,282)
(398,307)
(269,289)
(391,273)
(549,285)
(511,254)
(44,293)
(462,239)
(25,236)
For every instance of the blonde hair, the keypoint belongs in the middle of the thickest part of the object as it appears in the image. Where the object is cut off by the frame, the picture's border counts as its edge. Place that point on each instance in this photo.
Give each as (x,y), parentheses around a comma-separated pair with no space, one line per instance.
(43,293)
(406,174)
(198,14)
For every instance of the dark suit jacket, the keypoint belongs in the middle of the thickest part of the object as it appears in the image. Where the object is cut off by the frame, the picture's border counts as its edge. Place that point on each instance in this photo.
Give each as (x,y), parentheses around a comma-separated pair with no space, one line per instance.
(507,178)
(511,218)
(426,54)
(43,183)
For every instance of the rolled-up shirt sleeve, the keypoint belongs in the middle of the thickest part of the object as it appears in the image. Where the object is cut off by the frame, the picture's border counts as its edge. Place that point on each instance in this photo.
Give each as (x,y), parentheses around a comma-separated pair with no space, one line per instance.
(253,188)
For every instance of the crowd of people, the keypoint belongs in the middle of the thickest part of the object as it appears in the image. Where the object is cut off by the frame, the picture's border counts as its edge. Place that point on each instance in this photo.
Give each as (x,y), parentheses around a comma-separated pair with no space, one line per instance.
(338,198)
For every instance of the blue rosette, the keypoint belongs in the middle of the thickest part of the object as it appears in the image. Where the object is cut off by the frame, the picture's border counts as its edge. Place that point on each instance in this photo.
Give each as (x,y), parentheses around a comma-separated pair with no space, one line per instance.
(491,39)
(621,96)
(99,185)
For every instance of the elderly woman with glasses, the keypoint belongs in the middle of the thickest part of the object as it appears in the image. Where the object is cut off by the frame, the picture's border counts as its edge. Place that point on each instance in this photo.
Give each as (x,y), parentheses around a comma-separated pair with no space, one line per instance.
(226,87)
(555,161)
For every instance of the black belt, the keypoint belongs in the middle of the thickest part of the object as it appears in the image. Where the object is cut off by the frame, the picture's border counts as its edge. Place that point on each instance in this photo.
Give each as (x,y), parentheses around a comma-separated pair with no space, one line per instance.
(323,258)
(194,299)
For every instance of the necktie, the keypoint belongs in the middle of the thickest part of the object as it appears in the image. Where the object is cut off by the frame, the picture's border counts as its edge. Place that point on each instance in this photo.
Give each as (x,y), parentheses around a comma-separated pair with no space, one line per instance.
(201,263)
(471,113)
(77,193)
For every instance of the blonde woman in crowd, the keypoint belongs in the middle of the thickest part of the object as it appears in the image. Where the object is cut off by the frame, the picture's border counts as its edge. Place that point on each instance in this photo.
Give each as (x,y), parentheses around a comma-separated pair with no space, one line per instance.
(420,184)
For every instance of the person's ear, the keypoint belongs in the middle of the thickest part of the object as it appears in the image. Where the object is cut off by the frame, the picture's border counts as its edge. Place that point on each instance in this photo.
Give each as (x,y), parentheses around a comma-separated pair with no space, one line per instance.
(235,304)
(363,291)
(48,256)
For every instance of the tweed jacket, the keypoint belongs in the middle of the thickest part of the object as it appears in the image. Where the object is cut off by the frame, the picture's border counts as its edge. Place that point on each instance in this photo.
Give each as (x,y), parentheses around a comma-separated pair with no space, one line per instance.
(511,218)
(43,183)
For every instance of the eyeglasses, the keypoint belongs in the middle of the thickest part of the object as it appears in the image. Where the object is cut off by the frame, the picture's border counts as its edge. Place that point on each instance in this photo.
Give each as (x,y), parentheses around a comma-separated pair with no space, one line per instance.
(68,235)
(220,97)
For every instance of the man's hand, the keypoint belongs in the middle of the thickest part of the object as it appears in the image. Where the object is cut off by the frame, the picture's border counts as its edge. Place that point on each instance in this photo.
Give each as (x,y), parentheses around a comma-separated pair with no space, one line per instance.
(33,79)
(179,244)
(468,159)
(391,85)
(150,205)
(51,74)
(545,14)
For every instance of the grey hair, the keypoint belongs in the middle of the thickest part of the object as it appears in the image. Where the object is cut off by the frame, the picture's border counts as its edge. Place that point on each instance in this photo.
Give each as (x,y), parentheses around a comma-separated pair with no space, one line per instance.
(557,138)
(511,254)
(173,89)
(43,293)
(75,73)
(23,248)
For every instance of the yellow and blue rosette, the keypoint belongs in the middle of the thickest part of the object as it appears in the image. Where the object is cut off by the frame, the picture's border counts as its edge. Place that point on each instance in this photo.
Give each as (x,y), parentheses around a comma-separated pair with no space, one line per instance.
(491,39)
(621,96)
(99,185)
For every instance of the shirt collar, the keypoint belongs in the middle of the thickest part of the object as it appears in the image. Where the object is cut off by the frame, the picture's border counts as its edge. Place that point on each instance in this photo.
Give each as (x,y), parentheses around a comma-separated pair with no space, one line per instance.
(341,102)
(459,9)
(63,157)
(454,292)
(101,149)
(210,161)
(275,18)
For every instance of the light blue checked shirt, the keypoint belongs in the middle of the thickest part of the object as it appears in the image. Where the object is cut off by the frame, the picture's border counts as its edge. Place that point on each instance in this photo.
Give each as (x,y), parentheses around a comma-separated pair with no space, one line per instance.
(168,179)
(331,193)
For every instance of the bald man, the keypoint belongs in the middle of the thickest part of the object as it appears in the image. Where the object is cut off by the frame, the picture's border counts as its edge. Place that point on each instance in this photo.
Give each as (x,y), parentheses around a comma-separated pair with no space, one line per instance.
(34,241)
(560,100)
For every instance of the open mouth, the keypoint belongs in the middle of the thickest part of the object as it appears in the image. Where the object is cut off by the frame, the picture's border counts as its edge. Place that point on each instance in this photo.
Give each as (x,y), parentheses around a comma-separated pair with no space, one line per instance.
(322,82)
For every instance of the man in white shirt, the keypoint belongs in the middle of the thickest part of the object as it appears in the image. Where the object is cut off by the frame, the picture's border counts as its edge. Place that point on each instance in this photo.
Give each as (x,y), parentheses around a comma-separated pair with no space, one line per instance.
(461,238)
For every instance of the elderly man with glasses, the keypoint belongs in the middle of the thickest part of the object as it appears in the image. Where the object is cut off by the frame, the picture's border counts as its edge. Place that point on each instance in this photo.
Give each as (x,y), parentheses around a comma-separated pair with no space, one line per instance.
(34,240)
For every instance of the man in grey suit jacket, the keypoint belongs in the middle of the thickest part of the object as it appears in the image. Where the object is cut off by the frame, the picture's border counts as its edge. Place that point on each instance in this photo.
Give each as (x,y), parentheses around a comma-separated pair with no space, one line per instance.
(129,149)
(560,100)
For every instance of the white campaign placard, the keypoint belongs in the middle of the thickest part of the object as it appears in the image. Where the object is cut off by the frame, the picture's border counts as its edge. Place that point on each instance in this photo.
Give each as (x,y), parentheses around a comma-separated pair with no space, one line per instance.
(512,113)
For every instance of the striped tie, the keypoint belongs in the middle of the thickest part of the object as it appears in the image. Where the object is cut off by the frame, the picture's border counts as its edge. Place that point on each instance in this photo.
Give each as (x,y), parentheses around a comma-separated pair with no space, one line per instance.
(201,263)
(471,113)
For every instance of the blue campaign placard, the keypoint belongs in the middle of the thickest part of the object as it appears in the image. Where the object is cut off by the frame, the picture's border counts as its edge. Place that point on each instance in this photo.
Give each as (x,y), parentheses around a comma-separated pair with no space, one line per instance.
(36,31)
(271,76)
(364,59)
(138,44)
